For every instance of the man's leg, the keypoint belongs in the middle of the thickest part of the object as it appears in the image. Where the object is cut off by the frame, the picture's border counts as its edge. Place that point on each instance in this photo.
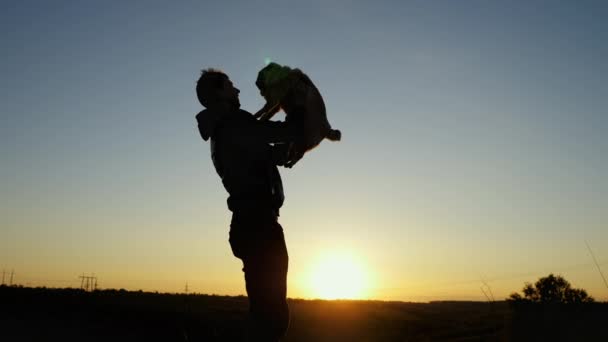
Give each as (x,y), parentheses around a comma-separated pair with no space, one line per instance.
(266,282)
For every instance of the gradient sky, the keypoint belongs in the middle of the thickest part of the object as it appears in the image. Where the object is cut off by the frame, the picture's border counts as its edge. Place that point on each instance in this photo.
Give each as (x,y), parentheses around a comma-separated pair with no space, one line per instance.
(474,144)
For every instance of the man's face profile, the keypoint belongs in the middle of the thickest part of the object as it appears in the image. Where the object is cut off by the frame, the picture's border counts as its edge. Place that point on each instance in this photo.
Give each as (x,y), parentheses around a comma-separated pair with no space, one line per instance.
(229,94)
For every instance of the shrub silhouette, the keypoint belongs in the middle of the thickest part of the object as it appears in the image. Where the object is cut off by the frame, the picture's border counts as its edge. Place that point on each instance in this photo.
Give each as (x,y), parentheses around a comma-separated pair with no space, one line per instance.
(551,289)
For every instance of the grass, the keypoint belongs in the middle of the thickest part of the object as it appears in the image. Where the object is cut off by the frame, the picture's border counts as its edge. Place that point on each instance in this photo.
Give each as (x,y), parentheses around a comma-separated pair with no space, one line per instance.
(35,314)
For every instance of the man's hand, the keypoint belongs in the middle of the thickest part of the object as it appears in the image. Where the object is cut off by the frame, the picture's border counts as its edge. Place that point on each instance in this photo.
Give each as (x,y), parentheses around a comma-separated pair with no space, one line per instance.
(286,155)
(293,156)
(280,153)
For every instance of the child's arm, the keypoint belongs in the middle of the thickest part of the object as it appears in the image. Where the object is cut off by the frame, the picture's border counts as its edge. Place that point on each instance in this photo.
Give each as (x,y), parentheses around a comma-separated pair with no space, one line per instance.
(267,112)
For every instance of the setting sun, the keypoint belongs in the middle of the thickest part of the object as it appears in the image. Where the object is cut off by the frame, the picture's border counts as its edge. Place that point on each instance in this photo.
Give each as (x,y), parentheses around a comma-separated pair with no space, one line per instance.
(338,276)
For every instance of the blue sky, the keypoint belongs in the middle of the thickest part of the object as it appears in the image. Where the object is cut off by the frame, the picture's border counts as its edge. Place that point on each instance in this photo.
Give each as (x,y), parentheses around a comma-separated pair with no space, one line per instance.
(474,141)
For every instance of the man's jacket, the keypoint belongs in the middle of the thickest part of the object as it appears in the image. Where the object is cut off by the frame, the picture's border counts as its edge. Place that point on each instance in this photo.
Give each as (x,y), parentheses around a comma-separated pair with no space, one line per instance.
(244,159)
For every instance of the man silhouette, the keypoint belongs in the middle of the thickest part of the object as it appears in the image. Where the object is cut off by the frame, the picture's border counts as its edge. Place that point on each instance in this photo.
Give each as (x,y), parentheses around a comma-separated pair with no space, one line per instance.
(246,163)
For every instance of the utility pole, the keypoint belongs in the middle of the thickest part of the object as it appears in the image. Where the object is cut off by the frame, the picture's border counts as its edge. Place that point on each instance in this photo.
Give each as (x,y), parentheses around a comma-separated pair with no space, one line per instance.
(3,272)
(88,283)
(12,274)
(186,287)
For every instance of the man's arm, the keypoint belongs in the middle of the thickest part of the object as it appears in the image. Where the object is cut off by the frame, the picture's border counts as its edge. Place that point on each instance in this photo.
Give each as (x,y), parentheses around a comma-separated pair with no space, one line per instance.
(274,131)
(280,153)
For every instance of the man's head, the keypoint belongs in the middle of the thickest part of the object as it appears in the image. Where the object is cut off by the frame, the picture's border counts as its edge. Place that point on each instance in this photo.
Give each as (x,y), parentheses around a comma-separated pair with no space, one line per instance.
(214,89)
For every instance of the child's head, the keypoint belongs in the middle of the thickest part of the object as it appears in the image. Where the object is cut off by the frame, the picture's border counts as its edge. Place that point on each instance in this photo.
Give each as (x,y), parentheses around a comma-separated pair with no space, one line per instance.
(214,87)
(271,76)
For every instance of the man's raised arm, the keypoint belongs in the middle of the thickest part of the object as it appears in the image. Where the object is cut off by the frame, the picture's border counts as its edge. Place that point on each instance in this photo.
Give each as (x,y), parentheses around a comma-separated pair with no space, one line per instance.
(274,131)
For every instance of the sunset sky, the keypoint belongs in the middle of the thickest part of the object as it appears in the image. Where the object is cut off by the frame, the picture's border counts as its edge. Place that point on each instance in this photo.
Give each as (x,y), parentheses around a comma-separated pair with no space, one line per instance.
(475,143)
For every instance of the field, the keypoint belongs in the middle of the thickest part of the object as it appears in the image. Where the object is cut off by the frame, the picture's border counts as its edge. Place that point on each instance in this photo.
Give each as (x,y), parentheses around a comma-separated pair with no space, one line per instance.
(40,314)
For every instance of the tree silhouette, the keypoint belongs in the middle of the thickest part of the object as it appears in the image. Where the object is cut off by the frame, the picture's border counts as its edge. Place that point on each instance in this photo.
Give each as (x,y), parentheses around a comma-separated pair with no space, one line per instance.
(551,289)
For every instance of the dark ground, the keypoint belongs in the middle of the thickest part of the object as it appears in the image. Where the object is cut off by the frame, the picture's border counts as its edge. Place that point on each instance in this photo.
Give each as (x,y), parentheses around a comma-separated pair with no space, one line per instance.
(39,314)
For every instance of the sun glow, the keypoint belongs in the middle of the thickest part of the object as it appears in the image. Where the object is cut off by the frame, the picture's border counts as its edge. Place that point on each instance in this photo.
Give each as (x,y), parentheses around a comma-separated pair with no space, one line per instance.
(338,276)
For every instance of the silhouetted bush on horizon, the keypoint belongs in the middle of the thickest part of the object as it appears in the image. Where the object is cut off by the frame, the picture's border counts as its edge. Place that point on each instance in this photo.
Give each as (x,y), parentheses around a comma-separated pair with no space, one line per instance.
(550,309)
(551,289)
